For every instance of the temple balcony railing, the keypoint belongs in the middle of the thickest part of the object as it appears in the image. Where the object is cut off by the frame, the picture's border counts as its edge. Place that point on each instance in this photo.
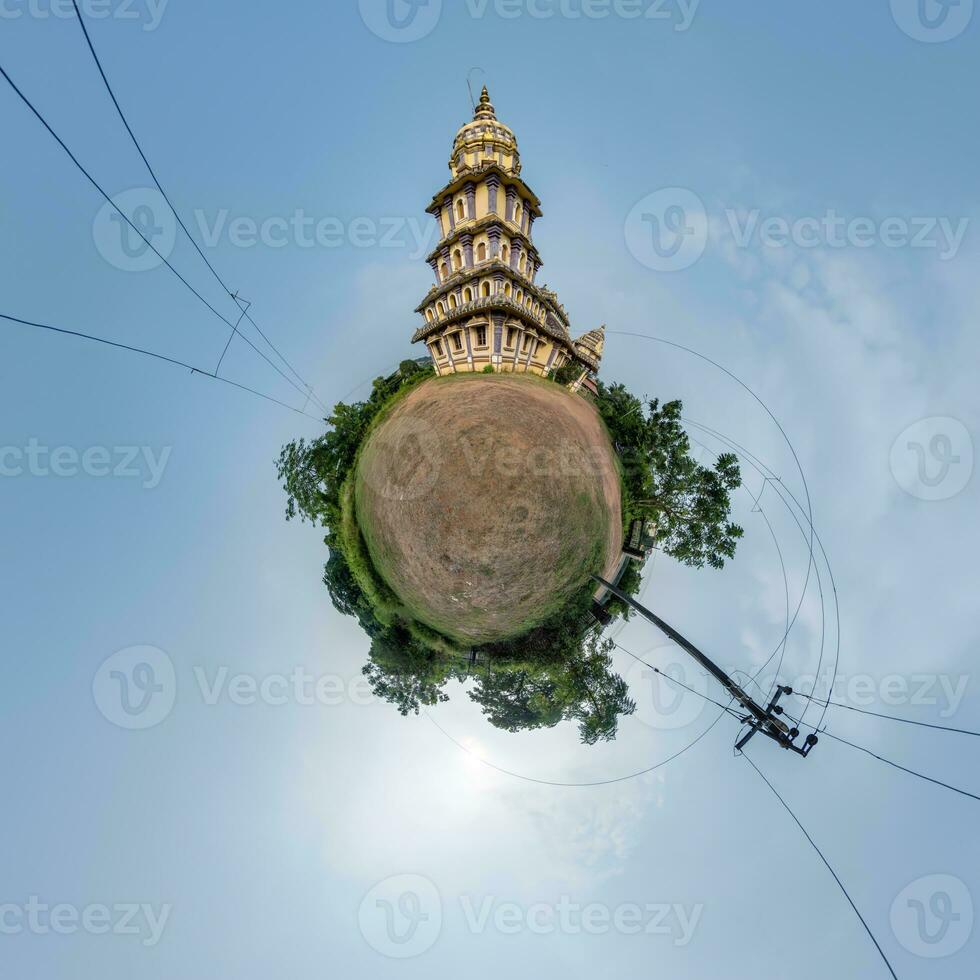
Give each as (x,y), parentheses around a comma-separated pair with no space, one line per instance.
(482,304)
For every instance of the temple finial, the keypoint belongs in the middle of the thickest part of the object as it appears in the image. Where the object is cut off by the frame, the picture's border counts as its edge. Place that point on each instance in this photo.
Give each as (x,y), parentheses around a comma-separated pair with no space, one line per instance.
(485,109)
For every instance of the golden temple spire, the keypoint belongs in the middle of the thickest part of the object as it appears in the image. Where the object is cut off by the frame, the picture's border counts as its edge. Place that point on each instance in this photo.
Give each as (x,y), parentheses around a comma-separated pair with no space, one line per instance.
(485,109)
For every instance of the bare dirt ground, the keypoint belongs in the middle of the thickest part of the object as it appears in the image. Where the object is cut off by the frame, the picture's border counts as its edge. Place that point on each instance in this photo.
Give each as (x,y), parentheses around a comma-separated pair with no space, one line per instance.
(487,500)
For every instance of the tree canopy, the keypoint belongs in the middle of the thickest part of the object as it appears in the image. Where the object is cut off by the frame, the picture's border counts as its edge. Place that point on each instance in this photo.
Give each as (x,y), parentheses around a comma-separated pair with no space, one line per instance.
(688,504)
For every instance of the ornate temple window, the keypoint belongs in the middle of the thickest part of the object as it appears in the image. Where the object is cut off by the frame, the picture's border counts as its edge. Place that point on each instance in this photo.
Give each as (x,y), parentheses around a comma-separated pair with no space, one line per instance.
(467,295)
(458,341)
(481,336)
(440,307)
(511,337)
(444,271)
(437,347)
(481,252)
(429,316)
(460,210)
(505,253)
(457,260)
(507,290)
(452,301)
(485,289)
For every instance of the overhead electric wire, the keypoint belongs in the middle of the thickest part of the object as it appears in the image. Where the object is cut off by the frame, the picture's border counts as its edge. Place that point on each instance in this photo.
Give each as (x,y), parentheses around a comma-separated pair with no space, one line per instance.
(156,356)
(552,782)
(166,197)
(99,188)
(674,680)
(895,765)
(813,844)
(904,721)
(764,406)
(790,623)
(807,512)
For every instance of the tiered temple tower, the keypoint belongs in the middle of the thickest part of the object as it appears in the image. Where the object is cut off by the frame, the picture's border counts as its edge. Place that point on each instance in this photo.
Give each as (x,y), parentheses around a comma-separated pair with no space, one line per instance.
(486,308)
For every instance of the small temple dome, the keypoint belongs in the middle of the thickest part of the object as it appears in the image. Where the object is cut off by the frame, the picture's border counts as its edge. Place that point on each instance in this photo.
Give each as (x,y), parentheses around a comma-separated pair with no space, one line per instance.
(592,343)
(483,140)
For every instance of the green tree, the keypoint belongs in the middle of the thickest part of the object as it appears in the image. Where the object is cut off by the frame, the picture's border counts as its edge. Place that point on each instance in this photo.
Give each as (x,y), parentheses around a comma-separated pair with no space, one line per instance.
(578,685)
(688,504)
(405,673)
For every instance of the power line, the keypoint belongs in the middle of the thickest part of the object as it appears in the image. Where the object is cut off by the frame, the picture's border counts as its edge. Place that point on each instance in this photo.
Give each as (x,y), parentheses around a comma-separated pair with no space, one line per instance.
(813,844)
(766,409)
(156,356)
(99,188)
(904,721)
(552,782)
(769,475)
(895,765)
(911,772)
(673,680)
(139,149)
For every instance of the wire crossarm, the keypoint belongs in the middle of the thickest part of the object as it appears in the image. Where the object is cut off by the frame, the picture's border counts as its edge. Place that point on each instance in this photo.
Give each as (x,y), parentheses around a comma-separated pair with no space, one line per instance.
(766,719)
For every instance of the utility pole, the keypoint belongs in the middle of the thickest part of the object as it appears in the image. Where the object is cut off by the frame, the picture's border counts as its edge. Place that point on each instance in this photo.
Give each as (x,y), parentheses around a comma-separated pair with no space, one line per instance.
(760,719)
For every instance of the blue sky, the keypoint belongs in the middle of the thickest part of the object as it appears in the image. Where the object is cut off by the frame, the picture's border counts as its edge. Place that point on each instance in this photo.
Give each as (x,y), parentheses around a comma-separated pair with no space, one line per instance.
(825,163)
